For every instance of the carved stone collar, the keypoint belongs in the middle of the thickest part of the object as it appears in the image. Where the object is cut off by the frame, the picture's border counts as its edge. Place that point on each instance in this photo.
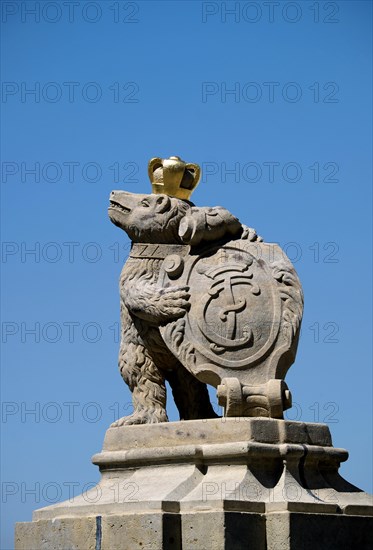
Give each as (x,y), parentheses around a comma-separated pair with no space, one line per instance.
(157,251)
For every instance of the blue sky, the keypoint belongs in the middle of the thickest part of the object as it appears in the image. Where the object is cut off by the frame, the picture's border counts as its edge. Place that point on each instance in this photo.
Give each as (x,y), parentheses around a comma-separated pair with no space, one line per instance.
(276,108)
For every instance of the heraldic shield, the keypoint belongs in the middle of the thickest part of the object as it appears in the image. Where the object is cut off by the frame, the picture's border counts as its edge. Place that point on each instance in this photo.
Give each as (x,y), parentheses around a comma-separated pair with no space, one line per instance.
(241,331)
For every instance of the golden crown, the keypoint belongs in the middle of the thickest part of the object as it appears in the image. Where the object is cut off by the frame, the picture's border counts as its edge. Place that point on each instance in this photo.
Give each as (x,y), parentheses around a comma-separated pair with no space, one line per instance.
(173,177)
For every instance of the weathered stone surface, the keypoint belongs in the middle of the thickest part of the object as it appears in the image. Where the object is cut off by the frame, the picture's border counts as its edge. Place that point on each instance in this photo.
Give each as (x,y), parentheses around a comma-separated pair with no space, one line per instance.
(57,534)
(203,300)
(224,430)
(142,531)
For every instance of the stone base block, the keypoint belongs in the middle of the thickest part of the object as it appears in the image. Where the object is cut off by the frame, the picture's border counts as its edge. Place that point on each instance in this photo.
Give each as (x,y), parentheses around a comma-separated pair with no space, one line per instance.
(235,483)
(223,530)
(199,531)
(72,533)
(292,531)
(127,532)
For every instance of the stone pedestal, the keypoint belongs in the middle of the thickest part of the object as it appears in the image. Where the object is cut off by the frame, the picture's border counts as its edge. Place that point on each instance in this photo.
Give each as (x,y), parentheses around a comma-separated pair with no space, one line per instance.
(231,483)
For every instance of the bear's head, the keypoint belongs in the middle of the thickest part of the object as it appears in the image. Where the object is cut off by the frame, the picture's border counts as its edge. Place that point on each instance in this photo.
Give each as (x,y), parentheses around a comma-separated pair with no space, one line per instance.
(156,218)
(148,218)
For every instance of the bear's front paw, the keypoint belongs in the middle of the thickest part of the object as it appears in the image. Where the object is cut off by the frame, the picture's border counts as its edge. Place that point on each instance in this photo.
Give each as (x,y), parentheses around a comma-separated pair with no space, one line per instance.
(157,305)
(171,302)
(250,234)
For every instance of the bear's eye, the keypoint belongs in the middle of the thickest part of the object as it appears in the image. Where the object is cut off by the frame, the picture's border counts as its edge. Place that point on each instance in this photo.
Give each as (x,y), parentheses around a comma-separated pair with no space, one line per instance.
(144,203)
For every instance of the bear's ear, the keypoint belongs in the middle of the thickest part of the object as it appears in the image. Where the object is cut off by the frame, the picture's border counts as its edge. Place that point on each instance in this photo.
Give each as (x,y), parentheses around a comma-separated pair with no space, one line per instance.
(208,224)
(188,227)
(162,204)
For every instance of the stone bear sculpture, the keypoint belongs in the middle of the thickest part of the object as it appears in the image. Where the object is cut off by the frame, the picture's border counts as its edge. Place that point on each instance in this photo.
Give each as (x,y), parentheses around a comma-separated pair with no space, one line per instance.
(145,362)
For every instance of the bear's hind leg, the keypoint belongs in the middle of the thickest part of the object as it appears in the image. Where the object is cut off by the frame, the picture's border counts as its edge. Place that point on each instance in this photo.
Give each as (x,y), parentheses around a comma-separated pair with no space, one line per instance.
(147,385)
(190,395)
